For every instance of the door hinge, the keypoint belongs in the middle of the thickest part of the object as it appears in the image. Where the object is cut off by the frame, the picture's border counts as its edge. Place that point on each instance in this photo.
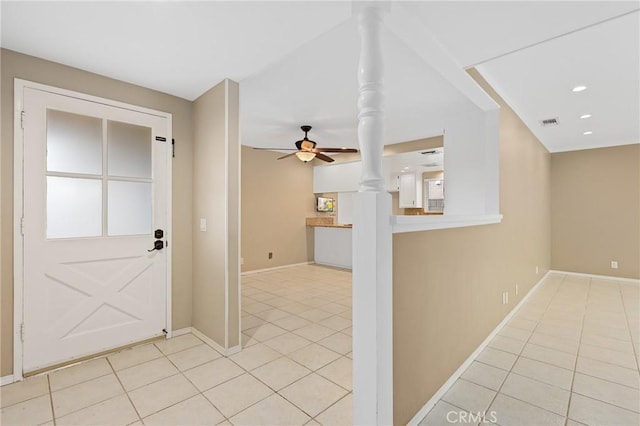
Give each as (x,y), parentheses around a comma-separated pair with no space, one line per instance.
(22,332)
(22,225)
(22,114)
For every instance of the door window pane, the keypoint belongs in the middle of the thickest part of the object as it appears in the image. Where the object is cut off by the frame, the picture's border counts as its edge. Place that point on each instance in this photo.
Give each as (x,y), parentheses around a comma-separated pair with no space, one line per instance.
(74,143)
(129,150)
(129,208)
(74,207)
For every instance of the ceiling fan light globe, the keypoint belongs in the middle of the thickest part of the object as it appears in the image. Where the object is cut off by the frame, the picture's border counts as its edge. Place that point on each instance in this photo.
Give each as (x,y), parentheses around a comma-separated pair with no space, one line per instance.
(305,156)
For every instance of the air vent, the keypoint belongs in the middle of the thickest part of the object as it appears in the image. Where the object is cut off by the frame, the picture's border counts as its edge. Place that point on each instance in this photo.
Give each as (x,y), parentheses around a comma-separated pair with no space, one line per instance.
(431,165)
(550,122)
(429,152)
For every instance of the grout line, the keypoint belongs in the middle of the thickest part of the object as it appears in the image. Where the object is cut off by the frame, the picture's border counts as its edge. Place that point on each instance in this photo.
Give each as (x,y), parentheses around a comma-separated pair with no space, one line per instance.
(633,343)
(53,410)
(124,390)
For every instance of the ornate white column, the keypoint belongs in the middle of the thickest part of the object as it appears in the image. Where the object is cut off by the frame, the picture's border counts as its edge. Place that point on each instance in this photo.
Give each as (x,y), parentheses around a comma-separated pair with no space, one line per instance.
(372,240)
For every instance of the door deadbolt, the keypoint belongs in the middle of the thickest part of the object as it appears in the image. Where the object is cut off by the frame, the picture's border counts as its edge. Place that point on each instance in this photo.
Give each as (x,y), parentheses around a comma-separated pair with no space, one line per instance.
(158,233)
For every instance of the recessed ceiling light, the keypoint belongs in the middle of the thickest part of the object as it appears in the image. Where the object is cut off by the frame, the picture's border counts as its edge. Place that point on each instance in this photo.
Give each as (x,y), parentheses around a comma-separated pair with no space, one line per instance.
(587,133)
(585,116)
(579,88)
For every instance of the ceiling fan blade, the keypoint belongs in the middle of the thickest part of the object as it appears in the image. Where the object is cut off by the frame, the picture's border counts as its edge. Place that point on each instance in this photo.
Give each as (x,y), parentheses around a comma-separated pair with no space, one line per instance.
(288,155)
(334,150)
(324,157)
(275,149)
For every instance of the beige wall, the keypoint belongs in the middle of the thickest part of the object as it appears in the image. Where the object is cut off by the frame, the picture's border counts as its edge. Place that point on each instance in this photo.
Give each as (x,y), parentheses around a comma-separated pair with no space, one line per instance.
(41,71)
(216,199)
(447,284)
(277,197)
(595,211)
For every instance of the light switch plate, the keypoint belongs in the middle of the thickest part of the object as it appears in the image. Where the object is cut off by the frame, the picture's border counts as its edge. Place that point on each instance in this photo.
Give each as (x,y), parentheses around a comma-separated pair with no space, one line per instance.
(203,224)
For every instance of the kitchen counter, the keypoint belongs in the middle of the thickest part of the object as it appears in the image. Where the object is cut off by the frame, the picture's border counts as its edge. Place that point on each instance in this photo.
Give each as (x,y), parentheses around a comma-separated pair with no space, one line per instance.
(332,241)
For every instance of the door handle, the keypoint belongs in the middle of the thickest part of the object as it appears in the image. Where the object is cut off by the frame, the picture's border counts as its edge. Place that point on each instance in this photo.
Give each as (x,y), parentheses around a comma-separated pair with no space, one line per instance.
(157,245)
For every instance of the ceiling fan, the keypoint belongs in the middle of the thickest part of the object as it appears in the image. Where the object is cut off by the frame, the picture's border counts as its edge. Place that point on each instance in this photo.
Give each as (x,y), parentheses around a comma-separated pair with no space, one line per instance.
(306,149)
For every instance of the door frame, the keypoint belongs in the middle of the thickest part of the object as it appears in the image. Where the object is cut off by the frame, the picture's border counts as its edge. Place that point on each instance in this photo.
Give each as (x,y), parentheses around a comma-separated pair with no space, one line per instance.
(18,204)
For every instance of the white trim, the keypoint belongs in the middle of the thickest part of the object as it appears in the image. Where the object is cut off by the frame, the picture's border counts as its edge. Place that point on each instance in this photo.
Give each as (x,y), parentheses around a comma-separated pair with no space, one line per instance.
(334,265)
(427,223)
(602,277)
(18,212)
(180,332)
(234,350)
(169,226)
(18,195)
(226,214)
(209,341)
(275,268)
(7,380)
(422,413)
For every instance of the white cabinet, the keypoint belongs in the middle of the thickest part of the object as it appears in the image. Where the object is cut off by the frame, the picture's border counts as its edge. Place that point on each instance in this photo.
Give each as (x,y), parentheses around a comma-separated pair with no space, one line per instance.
(394,183)
(410,191)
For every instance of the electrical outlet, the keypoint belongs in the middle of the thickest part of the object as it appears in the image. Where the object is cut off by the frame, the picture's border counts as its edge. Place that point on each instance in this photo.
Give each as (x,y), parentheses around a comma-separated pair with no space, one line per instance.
(537,270)
(506,297)
(614,264)
(270,255)
(203,224)
(516,289)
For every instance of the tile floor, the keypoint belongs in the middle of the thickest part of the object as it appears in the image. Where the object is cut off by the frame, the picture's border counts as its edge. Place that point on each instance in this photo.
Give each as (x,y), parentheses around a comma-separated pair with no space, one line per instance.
(295,368)
(569,357)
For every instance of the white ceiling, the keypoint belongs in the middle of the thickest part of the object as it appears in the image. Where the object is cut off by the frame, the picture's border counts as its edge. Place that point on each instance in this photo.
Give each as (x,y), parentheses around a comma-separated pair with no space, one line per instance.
(296,61)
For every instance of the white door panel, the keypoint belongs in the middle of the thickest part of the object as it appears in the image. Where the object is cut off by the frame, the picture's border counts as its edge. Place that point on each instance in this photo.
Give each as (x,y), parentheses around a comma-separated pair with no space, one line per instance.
(90,283)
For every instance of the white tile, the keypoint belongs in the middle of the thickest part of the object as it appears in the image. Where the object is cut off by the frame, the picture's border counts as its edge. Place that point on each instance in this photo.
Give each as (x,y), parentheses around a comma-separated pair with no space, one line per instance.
(84,394)
(622,359)
(291,323)
(280,373)
(313,394)
(213,373)
(264,332)
(193,411)
(593,412)
(314,356)
(557,343)
(336,323)
(237,394)
(543,372)
(255,356)
(610,372)
(34,411)
(134,356)
(79,373)
(114,411)
(251,321)
(515,333)
(340,413)
(510,411)
(540,394)
(315,314)
(609,392)
(24,390)
(179,343)
(145,373)
(339,371)
(551,356)
(287,343)
(497,358)
(338,342)
(272,314)
(274,410)
(314,332)
(193,357)
(162,394)
(469,396)
(485,375)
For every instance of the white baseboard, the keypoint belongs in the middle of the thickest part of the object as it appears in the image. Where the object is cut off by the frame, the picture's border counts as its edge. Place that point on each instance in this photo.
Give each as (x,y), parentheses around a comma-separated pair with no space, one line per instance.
(275,268)
(6,380)
(234,350)
(601,277)
(209,341)
(422,413)
(180,331)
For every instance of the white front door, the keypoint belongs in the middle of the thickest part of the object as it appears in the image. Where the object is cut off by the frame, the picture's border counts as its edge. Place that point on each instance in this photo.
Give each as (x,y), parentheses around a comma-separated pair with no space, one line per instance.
(95,192)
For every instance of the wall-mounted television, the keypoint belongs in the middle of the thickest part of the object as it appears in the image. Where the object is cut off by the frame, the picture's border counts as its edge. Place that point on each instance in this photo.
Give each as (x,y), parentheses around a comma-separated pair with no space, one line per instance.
(325,204)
